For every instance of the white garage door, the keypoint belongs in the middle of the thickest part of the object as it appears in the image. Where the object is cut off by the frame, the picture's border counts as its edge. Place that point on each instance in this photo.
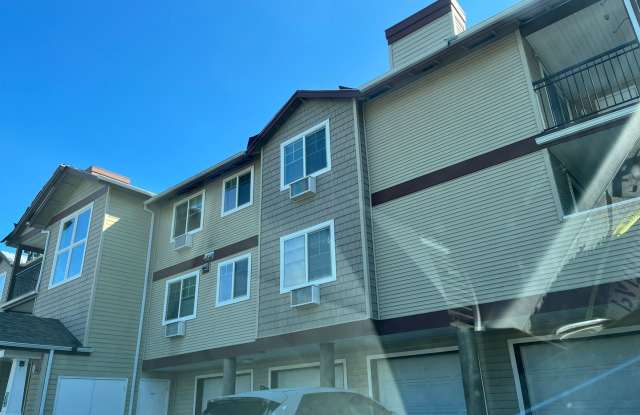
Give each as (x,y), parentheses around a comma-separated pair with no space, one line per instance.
(85,396)
(212,387)
(599,375)
(419,384)
(302,377)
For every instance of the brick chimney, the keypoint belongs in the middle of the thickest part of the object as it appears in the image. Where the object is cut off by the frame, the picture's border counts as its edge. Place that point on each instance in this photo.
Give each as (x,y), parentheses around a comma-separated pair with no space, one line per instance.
(99,171)
(424,32)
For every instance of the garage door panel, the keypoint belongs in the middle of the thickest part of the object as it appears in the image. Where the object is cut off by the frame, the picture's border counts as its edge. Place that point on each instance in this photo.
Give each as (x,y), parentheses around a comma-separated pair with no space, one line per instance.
(587,376)
(303,377)
(423,384)
(212,387)
(88,396)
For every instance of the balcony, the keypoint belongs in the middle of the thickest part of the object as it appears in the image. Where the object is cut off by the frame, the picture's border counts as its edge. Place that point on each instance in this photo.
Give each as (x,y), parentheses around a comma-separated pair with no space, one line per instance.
(604,83)
(25,280)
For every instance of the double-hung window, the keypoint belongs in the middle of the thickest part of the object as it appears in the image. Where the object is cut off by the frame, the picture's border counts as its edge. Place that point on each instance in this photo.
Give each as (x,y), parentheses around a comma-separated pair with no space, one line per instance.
(187,215)
(308,154)
(233,280)
(181,298)
(71,247)
(237,192)
(307,257)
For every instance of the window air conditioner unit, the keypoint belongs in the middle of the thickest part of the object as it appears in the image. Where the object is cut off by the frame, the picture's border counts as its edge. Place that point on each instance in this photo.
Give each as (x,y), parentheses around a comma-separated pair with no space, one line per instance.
(182,241)
(305,296)
(177,329)
(302,188)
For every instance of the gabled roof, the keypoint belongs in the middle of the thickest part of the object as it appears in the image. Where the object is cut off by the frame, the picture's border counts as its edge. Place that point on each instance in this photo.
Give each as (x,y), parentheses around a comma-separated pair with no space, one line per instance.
(47,190)
(290,106)
(31,332)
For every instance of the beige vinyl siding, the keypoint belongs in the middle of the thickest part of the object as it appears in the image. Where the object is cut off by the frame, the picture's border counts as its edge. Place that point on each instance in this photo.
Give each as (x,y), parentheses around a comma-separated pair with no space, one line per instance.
(422,42)
(336,198)
(473,105)
(69,302)
(491,236)
(216,231)
(213,326)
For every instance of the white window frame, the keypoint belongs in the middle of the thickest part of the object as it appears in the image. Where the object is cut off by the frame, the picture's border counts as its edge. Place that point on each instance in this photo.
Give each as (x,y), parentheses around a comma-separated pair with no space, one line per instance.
(72,245)
(302,136)
(181,201)
(3,278)
(233,261)
(166,297)
(332,277)
(236,176)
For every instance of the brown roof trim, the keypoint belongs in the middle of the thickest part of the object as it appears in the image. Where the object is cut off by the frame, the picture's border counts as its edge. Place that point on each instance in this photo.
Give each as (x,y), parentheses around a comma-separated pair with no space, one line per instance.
(421,19)
(290,106)
(198,261)
(550,302)
(483,161)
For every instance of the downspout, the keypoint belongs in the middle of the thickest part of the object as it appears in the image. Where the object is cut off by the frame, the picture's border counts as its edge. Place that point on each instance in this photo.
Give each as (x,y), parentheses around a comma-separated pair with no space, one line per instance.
(136,359)
(45,387)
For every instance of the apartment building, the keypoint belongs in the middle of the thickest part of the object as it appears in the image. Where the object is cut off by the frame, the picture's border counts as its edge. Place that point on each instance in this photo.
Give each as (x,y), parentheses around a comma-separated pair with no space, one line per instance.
(457,234)
(72,307)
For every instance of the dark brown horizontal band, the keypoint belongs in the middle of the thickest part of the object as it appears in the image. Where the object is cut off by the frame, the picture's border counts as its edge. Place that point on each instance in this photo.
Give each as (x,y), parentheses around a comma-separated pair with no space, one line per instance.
(550,302)
(78,205)
(198,261)
(484,161)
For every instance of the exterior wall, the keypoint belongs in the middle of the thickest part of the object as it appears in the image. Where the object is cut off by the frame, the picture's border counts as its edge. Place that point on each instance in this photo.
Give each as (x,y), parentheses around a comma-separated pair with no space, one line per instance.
(422,42)
(6,268)
(473,105)
(70,302)
(213,326)
(216,232)
(337,198)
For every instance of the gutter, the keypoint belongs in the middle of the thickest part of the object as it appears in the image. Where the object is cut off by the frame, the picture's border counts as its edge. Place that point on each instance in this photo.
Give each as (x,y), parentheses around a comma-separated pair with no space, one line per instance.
(136,359)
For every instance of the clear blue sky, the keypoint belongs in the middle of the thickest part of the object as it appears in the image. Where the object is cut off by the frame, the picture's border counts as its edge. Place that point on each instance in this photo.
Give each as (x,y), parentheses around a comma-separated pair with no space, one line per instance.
(159,90)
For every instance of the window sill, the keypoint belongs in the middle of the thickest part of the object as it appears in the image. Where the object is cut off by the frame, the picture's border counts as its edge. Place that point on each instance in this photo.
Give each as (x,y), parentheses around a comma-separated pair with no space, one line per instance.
(234,301)
(316,174)
(319,282)
(177,320)
(58,284)
(239,208)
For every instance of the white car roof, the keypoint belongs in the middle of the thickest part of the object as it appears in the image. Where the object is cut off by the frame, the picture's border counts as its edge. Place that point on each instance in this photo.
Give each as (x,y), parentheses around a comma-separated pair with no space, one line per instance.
(280,395)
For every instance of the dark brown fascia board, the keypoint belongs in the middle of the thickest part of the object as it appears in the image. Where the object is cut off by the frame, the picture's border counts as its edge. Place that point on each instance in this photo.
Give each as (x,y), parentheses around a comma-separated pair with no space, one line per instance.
(551,302)
(420,19)
(202,178)
(298,97)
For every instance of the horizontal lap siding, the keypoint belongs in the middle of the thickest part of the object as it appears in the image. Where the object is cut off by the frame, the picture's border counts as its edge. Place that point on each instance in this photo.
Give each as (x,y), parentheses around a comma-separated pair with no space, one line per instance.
(336,198)
(476,104)
(213,326)
(5,268)
(217,231)
(70,301)
(422,42)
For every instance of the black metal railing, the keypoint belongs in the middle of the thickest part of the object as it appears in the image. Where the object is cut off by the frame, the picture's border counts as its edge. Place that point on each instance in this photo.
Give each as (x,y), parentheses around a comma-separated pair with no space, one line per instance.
(25,280)
(597,85)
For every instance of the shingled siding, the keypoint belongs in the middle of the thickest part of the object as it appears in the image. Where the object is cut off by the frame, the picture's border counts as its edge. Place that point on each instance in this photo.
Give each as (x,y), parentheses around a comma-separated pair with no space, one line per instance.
(337,198)
(69,302)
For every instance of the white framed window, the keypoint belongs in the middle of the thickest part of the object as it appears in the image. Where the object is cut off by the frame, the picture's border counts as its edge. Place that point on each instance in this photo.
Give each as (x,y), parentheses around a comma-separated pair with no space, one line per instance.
(3,281)
(71,246)
(237,192)
(234,280)
(308,257)
(188,215)
(181,298)
(307,154)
